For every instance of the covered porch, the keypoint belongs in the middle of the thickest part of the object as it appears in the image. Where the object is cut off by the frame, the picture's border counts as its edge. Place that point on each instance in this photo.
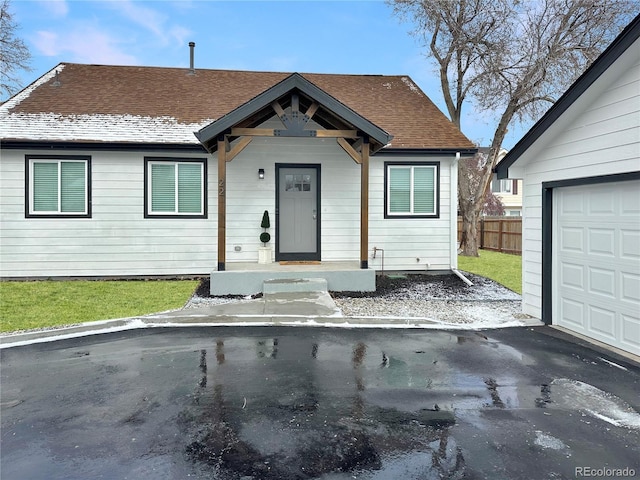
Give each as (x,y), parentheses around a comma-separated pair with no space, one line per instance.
(308,114)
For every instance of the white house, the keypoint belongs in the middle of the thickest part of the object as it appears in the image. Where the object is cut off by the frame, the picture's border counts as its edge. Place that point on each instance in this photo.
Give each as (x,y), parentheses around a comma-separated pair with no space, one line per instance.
(144,171)
(580,166)
(509,191)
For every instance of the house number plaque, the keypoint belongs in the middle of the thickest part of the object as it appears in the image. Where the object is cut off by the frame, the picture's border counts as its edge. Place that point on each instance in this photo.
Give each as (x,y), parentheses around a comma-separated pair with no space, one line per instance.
(221,187)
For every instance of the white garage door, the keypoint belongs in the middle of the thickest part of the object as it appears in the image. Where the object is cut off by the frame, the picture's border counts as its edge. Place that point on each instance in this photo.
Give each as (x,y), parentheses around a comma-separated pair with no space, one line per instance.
(596,264)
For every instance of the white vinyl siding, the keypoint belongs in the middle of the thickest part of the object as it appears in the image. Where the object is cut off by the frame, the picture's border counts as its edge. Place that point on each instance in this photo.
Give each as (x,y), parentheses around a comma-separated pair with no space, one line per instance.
(596,136)
(58,187)
(409,242)
(175,188)
(118,240)
(412,190)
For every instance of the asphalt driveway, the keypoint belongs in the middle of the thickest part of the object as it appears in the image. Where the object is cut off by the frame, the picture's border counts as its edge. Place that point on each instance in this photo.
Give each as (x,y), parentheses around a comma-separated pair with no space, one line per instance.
(298,403)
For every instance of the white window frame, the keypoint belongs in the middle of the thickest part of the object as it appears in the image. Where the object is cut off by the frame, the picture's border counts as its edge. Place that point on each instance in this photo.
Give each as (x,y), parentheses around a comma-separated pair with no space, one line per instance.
(503,186)
(149,213)
(33,159)
(412,166)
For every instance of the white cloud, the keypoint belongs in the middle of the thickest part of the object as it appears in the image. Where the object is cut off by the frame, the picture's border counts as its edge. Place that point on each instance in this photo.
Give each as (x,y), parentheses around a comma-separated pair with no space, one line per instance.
(46,43)
(84,44)
(181,34)
(151,20)
(143,16)
(57,8)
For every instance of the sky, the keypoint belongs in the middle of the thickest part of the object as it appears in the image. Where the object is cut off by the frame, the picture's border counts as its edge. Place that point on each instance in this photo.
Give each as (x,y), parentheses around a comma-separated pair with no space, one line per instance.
(347,36)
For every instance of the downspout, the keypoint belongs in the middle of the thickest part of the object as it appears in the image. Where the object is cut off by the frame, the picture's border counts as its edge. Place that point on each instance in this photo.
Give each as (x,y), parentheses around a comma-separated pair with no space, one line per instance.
(453,217)
(453,214)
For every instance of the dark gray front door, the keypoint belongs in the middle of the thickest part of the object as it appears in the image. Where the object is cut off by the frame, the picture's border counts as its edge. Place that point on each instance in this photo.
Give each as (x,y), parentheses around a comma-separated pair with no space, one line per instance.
(298,213)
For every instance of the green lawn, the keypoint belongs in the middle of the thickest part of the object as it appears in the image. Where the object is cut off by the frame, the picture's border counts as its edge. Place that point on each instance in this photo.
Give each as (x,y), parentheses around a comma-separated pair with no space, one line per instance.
(26,305)
(37,304)
(503,268)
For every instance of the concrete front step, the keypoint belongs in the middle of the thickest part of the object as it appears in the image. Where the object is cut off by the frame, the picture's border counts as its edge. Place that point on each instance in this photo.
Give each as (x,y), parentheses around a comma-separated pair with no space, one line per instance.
(251,281)
(287,285)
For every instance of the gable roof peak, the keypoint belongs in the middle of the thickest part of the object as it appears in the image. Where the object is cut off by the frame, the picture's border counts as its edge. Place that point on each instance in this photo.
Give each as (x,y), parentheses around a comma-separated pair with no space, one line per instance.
(294,82)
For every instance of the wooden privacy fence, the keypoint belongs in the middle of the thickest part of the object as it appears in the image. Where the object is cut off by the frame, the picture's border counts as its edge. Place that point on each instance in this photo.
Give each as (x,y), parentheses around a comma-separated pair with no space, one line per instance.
(501,234)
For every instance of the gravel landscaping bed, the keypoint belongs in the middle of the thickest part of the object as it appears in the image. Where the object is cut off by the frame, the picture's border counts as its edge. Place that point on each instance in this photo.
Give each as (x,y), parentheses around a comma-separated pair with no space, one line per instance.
(440,298)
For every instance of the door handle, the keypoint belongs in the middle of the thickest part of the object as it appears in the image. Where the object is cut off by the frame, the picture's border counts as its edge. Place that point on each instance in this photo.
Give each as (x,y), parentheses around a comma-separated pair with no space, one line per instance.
(315,215)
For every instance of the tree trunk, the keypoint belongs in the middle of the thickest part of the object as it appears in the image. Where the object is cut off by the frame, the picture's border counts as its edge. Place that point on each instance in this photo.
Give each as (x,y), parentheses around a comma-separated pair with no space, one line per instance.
(472,211)
(469,241)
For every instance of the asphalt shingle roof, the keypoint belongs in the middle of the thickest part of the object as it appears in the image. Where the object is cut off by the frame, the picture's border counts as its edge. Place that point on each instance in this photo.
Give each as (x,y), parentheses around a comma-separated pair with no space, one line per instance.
(99,103)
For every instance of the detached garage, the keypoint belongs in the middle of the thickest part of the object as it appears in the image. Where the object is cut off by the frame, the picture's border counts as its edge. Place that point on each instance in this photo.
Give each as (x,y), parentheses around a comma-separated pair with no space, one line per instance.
(580,166)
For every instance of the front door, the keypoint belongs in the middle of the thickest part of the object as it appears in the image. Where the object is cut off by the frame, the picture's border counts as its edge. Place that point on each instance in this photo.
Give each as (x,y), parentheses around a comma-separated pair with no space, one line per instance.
(298,213)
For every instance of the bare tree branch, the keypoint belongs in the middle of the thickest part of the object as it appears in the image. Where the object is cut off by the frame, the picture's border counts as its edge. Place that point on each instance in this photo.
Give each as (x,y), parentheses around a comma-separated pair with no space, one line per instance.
(512,58)
(14,54)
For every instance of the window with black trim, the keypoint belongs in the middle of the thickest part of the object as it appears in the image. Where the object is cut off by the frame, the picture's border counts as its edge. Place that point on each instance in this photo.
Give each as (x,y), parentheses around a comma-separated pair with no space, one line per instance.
(175,187)
(411,190)
(58,186)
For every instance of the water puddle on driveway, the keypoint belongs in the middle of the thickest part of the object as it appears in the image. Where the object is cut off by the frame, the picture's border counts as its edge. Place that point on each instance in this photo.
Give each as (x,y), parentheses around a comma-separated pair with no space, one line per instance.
(333,411)
(291,403)
(278,408)
(285,407)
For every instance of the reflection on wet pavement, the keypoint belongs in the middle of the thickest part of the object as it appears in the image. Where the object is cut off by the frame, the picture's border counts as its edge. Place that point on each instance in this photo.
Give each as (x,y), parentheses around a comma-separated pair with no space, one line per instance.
(296,427)
(292,404)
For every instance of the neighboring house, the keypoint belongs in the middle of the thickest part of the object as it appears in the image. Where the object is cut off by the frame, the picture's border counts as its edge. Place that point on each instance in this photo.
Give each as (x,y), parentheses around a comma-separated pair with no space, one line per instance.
(509,191)
(145,171)
(581,170)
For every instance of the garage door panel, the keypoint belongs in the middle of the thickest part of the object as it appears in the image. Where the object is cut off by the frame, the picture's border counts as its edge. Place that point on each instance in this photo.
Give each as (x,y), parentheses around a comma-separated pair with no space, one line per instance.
(602,241)
(603,322)
(630,244)
(572,313)
(630,290)
(630,333)
(630,203)
(596,265)
(572,276)
(602,202)
(573,203)
(572,239)
(602,282)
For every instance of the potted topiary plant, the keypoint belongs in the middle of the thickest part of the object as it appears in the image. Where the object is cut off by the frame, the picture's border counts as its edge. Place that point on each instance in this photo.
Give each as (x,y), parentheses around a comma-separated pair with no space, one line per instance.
(264,252)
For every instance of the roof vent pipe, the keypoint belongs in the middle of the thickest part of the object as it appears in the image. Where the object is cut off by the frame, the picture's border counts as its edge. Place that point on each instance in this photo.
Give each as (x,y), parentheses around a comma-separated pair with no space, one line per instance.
(192,69)
(56,81)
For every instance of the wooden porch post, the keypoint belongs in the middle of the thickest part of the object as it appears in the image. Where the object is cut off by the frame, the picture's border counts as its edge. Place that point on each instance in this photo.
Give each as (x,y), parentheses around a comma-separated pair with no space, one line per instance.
(364,205)
(222,202)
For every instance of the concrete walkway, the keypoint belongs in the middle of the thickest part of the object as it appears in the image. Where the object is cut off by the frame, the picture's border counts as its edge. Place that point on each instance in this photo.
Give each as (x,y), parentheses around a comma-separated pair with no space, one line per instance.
(284,308)
(311,304)
(315,308)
